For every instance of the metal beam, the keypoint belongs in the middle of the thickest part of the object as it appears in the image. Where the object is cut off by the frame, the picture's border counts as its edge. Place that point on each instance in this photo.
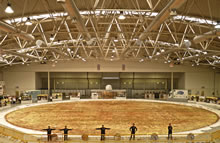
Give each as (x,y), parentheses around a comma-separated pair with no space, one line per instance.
(206,36)
(73,11)
(21,34)
(161,17)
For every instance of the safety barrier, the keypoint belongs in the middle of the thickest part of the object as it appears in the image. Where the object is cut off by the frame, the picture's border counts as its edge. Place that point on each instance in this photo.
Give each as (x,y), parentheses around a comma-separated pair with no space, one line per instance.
(140,138)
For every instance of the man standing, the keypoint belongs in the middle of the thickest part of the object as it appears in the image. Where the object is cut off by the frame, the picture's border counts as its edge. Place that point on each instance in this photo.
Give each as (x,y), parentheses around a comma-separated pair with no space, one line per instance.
(170,131)
(49,131)
(65,133)
(133,129)
(102,132)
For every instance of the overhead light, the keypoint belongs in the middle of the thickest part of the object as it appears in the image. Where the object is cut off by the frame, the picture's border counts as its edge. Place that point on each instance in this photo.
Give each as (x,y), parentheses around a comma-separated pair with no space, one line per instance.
(9,9)
(112,56)
(187,43)
(205,53)
(68,49)
(217,26)
(84,59)
(193,65)
(51,37)
(115,40)
(141,60)
(111,59)
(39,43)
(162,50)
(169,61)
(197,55)
(158,53)
(178,59)
(121,16)
(173,12)
(113,51)
(28,22)
(165,62)
(150,57)
(197,64)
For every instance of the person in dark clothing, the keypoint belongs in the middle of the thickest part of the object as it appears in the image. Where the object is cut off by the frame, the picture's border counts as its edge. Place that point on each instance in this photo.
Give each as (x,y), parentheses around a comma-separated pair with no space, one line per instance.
(133,129)
(170,131)
(65,133)
(49,131)
(102,132)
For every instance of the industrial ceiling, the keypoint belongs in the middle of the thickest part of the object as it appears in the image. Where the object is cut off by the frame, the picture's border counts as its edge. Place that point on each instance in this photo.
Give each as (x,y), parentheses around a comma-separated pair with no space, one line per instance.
(174,32)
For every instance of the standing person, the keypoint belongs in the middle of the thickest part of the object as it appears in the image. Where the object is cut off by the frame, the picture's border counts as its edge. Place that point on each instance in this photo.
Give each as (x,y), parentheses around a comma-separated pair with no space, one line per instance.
(49,131)
(65,133)
(133,129)
(170,131)
(102,132)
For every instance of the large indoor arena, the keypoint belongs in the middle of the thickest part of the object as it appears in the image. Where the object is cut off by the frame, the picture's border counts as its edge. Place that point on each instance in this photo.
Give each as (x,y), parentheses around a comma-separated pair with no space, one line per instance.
(139,71)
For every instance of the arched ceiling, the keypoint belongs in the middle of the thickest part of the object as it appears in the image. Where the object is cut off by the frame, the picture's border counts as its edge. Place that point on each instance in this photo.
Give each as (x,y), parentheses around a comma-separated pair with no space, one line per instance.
(91,30)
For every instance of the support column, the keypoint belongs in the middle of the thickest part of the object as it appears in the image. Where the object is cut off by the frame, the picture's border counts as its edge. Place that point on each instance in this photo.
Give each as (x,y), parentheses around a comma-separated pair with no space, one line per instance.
(215,84)
(49,91)
(171,81)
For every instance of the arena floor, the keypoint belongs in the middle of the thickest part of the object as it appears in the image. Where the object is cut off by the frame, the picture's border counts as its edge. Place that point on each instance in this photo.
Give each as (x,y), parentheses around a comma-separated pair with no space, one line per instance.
(85,116)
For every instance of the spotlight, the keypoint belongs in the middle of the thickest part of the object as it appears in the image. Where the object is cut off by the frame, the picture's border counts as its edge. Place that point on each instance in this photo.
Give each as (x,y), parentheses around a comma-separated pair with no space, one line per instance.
(162,50)
(115,39)
(9,9)
(68,49)
(51,37)
(173,12)
(217,26)
(141,60)
(205,53)
(121,16)
(28,22)
(187,43)
(158,53)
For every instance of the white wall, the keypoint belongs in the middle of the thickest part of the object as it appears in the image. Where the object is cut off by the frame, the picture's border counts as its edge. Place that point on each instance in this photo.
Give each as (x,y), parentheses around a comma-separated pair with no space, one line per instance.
(200,81)
(18,81)
(1,75)
(24,76)
(217,84)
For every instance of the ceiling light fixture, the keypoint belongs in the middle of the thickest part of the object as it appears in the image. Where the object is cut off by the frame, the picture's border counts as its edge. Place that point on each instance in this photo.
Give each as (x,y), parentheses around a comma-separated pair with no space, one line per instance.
(205,53)
(158,53)
(115,40)
(28,22)
(141,60)
(162,50)
(51,37)
(121,16)
(217,26)
(9,9)
(173,12)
